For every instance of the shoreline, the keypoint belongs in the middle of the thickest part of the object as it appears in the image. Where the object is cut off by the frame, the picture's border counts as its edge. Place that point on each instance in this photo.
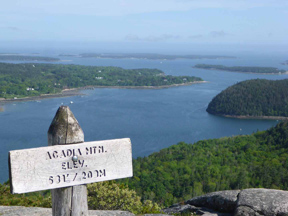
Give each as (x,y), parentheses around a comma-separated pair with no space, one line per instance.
(149,87)
(284,73)
(254,117)
(76,92)
(156,59)
(67,93)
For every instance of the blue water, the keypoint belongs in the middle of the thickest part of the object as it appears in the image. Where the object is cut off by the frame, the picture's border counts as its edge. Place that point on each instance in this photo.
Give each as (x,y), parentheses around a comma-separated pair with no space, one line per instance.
(153,119)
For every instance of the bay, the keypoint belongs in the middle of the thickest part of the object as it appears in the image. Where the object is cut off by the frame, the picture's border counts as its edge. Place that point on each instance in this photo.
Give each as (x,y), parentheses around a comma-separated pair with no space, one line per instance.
(154,119)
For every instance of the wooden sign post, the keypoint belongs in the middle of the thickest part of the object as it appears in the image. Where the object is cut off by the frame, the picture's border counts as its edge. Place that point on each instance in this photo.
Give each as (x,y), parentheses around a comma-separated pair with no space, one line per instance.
(68,164)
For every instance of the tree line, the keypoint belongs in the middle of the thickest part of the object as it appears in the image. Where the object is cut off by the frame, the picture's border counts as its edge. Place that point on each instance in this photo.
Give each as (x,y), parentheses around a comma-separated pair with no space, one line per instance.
(12,57)
(245,69)
(22,80)
(151,56)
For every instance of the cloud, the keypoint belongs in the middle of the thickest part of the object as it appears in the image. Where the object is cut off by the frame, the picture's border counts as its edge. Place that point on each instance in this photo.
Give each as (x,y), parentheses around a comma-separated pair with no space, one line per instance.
(270,34)
(167,37)
(218,34)
(196,36)
(151,38)
(213,34)
(132,37)
(11,28)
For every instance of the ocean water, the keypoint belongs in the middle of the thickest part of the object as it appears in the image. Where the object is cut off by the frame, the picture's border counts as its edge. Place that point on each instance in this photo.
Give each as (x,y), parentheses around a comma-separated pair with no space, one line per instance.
(154,119)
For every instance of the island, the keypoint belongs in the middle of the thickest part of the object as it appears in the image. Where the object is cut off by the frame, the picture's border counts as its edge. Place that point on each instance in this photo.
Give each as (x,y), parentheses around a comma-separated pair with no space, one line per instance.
(258,98)
(150,56)
(242,69)
(17,57)
(285,63)
(30,80)
(69,55)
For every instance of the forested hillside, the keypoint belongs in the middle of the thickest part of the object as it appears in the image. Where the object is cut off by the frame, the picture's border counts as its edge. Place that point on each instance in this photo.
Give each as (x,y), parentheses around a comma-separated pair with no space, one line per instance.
(184,170)
(22,80)
(243,69)
(258,97)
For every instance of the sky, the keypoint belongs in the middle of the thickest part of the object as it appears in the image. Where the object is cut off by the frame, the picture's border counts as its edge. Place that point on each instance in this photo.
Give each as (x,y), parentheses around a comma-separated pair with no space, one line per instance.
(149,22)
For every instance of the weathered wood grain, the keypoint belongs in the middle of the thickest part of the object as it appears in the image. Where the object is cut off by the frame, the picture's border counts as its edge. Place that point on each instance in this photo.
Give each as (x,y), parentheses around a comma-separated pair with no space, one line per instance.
(65,129)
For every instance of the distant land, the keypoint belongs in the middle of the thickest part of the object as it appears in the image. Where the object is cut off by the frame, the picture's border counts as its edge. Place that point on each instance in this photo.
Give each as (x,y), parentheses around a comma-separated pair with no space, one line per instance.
(150,56)
(285,63)
(69,55)
(31,79)
(242,69)
(258,98)
(17,57)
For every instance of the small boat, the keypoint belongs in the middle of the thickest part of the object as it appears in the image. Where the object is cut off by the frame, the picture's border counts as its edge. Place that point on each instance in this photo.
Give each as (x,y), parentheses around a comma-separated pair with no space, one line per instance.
(71,102)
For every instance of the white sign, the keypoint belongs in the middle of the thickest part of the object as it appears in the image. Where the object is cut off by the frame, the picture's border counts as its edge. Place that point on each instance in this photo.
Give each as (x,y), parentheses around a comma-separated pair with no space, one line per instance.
(68,165)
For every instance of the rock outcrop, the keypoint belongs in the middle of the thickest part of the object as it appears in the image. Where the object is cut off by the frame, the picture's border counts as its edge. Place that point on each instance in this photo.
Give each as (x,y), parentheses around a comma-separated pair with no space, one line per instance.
(185,209)
(248,202)
(223,201)
(262,202)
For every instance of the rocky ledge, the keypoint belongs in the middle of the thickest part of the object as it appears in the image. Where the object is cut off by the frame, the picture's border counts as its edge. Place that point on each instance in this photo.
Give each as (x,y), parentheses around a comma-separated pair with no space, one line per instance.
(248,202)
(32,211)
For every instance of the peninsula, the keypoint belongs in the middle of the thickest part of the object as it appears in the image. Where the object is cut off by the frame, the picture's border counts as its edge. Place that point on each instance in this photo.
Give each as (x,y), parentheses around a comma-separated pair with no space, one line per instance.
(242,69)
(150,56)
(34,80)
(258,98)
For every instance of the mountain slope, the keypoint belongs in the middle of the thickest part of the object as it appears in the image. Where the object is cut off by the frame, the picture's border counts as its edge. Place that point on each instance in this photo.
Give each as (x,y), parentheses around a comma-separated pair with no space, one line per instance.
(183,171)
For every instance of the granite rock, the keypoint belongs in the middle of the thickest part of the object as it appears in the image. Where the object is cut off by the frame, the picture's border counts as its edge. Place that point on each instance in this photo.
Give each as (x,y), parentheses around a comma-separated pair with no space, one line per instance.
(245,210)
(180,209)
(266,202)
(248,202)
(223,201)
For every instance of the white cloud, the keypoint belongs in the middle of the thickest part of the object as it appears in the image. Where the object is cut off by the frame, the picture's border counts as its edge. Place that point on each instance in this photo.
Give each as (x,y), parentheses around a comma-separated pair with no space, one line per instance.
(218,34)
(213,34)
(132,37)
(11,28)
(152,38)
(196,36)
